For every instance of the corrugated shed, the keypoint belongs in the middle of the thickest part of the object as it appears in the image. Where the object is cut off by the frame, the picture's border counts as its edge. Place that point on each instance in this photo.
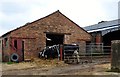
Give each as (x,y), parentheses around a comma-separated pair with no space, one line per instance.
(103,25)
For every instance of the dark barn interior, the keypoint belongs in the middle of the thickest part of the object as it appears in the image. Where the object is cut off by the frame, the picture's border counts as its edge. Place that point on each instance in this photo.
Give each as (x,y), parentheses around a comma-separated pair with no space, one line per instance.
(54,39)
(111,36)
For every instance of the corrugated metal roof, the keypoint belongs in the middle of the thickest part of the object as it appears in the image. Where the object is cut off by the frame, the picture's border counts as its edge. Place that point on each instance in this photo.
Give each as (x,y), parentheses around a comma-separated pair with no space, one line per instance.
(103,26)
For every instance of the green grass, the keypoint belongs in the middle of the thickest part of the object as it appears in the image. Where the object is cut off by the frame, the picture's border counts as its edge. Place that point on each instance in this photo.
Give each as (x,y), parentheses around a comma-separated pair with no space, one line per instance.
(9,62)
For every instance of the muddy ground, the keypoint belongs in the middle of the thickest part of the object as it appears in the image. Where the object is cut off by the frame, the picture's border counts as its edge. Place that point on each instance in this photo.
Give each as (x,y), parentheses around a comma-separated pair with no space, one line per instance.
(55,67)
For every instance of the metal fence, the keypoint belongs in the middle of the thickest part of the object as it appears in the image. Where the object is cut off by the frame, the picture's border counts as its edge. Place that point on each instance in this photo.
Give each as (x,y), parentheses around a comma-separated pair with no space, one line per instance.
(94,48)
(88,58)
(97,48)
(94,53)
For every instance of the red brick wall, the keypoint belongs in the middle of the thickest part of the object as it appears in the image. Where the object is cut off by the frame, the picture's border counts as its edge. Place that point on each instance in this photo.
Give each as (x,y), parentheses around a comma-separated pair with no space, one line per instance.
(54,23)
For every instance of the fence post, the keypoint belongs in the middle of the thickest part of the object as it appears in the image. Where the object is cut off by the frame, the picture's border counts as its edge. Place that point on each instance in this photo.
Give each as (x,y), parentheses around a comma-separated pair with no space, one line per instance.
(61,54)
(115,60)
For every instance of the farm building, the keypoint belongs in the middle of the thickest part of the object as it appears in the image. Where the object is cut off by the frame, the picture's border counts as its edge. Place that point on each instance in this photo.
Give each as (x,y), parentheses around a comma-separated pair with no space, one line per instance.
(104,32)
(26,41)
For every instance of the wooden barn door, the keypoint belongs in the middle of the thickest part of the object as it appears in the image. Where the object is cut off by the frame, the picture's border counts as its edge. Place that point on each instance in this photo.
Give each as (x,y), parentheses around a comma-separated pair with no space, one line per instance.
(20,49)
(17,47)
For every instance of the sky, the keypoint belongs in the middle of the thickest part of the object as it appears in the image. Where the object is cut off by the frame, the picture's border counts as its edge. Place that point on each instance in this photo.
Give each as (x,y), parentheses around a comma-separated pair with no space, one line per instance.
(16,13)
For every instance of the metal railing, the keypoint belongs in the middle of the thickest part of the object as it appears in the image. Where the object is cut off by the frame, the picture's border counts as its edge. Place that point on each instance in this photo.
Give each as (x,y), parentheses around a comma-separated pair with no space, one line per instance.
(94,53)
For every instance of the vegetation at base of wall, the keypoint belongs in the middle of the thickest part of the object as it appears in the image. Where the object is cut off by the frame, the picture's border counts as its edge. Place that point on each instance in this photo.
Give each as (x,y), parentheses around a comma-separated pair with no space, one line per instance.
(10,62)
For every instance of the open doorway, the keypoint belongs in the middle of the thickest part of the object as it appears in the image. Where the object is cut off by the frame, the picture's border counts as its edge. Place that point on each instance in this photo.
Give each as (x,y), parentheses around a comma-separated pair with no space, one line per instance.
(54,39)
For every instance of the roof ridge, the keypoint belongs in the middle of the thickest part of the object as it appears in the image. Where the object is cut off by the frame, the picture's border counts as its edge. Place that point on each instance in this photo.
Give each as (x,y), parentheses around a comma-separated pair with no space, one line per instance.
(30,23)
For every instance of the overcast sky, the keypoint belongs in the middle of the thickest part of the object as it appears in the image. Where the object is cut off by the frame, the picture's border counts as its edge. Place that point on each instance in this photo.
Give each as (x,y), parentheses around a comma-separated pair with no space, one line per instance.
(15,13)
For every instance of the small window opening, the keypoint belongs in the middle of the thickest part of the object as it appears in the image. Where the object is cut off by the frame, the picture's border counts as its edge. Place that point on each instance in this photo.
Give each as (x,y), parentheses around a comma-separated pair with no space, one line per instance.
(6,39)
(0,44)
(15,44)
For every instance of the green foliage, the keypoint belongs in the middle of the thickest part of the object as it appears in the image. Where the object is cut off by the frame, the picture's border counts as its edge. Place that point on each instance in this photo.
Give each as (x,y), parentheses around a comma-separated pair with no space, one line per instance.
(9,62)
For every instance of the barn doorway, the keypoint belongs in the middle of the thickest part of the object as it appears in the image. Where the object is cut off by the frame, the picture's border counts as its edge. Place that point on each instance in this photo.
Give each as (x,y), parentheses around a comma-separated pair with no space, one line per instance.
(54,39)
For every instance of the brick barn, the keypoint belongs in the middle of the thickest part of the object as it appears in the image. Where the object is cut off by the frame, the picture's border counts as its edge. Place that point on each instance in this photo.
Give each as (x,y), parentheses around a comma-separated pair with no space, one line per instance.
(26,41)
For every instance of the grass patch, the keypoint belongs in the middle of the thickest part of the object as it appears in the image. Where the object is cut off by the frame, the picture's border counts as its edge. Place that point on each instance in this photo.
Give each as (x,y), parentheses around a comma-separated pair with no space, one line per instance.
(9,62)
